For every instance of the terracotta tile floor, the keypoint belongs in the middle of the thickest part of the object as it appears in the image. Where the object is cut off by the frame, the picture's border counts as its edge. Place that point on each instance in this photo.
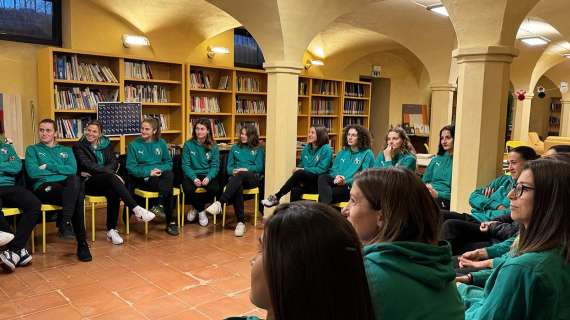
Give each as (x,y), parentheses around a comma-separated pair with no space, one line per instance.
(202,274)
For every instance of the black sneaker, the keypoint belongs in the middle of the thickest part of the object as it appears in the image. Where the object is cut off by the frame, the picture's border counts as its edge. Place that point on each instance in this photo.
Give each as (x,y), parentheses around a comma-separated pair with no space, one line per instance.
(9,260)
(271,201)
(83,253)
(172,229)
(158,211)
(25,258)
(66,230)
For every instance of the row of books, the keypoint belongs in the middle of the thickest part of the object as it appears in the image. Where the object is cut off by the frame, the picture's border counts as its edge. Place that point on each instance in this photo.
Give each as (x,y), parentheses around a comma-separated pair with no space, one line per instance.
(349,121)
(243,124)
(249,84)
(200,79)
(354,90)
(323,107)
(68,67)
(138,70)
(146,93)
(303,88)
(216,127)
(76,98)
(205,104)
(325,87)
(354,107)
(71,128)
(161,117)
(323,122)
(556,107)
(554,120)
(250,106)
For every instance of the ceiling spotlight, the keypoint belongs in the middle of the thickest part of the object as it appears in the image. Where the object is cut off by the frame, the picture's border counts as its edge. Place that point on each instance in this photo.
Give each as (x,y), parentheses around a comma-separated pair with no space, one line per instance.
(133,40)
(535,41)
(439,9)
(313,62)
(212,51)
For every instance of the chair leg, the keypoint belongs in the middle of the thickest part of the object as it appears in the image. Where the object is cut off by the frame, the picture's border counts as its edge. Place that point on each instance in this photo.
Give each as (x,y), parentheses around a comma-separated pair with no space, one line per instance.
(223,216)
(256,208)
(93,222)
(33,242)
(146,223)
(127,218)
(43,232)
(178,211)
(183,204)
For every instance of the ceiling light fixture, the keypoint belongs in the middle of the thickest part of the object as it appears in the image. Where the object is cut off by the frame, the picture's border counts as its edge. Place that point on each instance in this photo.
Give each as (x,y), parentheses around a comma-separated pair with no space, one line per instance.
(439,9)
(535,41)
(133,40)
(313,62)
(212,51)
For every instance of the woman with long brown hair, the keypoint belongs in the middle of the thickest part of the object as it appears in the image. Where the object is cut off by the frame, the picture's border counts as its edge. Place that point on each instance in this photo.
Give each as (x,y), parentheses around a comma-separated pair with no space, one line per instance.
(397,152)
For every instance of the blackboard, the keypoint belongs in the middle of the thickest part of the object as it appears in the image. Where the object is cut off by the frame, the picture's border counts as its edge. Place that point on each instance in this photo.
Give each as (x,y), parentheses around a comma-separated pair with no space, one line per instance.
(120,118)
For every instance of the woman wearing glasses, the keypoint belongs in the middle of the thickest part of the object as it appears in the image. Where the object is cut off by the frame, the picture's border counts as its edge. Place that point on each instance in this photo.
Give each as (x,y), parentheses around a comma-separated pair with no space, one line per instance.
(533,282)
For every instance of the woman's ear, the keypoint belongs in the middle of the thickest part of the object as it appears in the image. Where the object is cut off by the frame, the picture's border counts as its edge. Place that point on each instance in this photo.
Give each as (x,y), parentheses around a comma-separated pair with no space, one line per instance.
(379,218)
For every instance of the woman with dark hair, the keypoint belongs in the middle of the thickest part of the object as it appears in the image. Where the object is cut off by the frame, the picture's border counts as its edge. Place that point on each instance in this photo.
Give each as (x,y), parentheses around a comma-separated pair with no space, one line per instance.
(245,166)
(309,266)
(98,165)
(150,164)
(200,164)
(534,280)
(437,176)
(52,170)
(398,222)
(561,148)
(355,156)
(316,159)
(489,221)
(397,151)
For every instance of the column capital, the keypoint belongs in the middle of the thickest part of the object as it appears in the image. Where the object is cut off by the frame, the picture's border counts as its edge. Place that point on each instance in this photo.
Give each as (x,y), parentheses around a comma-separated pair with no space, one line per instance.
(565,101)
(283,67)
(443,87)
(485,54)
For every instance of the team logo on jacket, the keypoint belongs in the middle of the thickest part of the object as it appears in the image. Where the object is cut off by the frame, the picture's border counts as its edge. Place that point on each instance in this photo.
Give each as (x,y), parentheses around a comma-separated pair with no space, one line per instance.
(193,153)
(253,152)
(140,152)
(317,158)
(42,154)
(357,161)
(157,151)
(208,155)
(63,155)
(4,150)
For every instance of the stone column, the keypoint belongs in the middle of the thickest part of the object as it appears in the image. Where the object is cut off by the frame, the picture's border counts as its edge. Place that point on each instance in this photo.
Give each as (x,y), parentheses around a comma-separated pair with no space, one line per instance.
(441,111)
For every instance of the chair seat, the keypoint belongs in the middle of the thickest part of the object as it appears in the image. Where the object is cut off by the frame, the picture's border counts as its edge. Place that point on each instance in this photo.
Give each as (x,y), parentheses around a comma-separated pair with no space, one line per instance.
(95,199)
(341,205)
(10,211)
(50,207)
(152,194)
(200,190)
(251,191)
(310,196)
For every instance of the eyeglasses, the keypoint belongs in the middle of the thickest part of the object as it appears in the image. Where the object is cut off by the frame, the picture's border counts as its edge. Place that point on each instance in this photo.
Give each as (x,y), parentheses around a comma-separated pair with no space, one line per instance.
(519,189)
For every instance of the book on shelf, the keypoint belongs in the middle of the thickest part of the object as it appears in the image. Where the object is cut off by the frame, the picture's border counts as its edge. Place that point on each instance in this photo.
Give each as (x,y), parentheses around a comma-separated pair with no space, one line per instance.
(200,79)
(244,106)
(556,107)
(249,84)
(350,121)
(68,67)
(75,98)
(216,127)
(303,88)
(327,87)
(354,90)
(205,104)
(323,122)
(146,93)
(354,107)
(138,70)
(161,117)
(322,106)
(225,82)
(71,128)
(299,107)
(242,124)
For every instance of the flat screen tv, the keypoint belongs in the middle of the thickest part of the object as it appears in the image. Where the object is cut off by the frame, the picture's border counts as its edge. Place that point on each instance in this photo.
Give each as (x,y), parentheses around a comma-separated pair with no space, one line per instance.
(33,21)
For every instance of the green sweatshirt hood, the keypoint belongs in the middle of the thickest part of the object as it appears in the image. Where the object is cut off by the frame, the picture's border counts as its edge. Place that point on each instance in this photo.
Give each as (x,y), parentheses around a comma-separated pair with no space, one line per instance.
(103,142)
(427,264)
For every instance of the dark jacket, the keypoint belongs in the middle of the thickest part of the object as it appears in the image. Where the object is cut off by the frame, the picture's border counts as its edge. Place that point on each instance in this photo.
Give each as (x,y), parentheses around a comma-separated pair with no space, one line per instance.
(505,229)
(87,160)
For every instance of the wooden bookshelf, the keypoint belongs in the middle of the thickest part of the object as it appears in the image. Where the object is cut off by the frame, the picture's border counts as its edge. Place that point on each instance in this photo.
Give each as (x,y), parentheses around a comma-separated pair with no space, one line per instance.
(356,103)
(554,117)
(61,91)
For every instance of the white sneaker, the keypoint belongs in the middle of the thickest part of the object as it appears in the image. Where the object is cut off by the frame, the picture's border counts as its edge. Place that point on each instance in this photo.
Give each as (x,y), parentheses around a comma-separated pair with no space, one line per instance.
(215,208)
(114,237)
(143,214)
(202,218)
(9,260)
(191,215)
(5,238)
(240,229)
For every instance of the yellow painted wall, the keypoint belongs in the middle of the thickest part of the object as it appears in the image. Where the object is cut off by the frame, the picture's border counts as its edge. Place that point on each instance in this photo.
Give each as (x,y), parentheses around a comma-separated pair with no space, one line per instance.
(540,108)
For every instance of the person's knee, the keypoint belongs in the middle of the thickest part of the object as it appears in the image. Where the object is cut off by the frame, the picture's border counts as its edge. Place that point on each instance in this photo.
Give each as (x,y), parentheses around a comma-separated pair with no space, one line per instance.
(74,182)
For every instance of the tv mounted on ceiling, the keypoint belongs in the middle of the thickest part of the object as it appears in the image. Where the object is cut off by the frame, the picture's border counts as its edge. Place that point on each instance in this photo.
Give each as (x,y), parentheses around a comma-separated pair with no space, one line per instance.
(33,21)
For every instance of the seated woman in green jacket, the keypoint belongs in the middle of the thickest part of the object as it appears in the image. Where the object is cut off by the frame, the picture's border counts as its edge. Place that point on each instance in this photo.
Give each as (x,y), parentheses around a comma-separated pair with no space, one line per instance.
(533,282)
(437,176)
(397,152)
(355,156)
(309,266)
(150,164)
(200,165)
(410,273)
(316,159)
(245,166)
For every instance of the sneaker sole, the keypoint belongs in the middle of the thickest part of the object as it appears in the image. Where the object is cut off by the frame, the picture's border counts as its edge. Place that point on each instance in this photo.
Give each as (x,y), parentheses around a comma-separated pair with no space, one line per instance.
(269,205)
(6,265)
(115,243)
(24,263)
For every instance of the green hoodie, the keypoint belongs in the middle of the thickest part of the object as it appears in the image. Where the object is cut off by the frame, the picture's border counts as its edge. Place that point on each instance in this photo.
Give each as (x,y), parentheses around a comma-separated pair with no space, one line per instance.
(485,208)
(99,149)
(499,252)
(438,173)
(534,285)
(10,165)
(143,156)
(316,161)
(199,160)
(405,160)
(347,163)
(245,157)
(412,280)
(59,160)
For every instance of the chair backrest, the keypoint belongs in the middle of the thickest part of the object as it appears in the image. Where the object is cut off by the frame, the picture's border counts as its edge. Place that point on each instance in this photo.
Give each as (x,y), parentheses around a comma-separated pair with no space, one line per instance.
(534,138)
(511,144)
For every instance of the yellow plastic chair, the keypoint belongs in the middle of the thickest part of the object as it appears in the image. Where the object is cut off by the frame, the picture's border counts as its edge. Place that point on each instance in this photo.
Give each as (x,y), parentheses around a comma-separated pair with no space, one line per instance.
(92,201)
(182,218)
(511,144)
(46,208)
(340,205)
(310,196)
(153,195)
(255,193)
(13,212)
